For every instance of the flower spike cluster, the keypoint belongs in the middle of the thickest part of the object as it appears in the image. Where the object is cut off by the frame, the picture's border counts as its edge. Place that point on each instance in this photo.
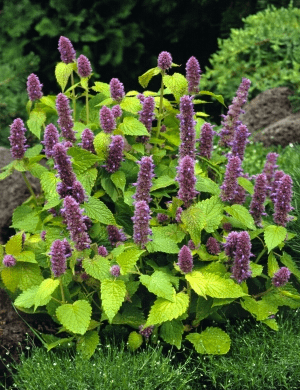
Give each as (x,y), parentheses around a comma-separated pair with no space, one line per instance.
(282,205)
(187,127)
(17,139)
(241,263)
(230,244)
(146,115)
(206,140)
(51,138)
(144,181)
(141,219)
(281,277)
(193,72)
(102,251)
(34,87)
(115,235)
(115,154)
(257,208)
(84,66)
(277,177)
(164,60)
(230,185)
(66,49)
(186,180)
(107,120)
(240,141)
(270,167)
(117,91)
(58,258)
(65,120)
(185,260)
(116,111)
(213,246)
(87,137)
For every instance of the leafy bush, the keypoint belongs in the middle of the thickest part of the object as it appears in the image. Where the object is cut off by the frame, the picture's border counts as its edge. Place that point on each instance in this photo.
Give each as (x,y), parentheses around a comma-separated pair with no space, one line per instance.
(82,251)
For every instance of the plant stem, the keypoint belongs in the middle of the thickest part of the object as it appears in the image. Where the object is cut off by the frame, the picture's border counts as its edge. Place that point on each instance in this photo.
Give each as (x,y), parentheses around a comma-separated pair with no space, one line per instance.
(30,188)
(260,255)
(189,291)
(73,98)
(263,293)
(160,103)
(87,106)
(62,290)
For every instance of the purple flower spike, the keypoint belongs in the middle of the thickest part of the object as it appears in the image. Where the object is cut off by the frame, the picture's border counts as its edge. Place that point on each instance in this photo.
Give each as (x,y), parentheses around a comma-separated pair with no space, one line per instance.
(51,138)
(213,246)
(193,75)
(231,121)
(146,115)
(117,111)
(43,235)
(84,66)
(87,137)
(107,120)
(116,89)
(64,168)
(34,87)
(9,261)
(65,120)
(206,140)
(241,268)
(141,219)
(270,167)
(282,204)
(187,127)
(240,141)
(178,214)
(66,49)
(191,245)
(146,332)
(164,60)
(230,185)
(227,226)
(58,258)
(102,251)
(144,181)
(230,244)
(281,277)
(115,154)
(115,270)
(78,192)
(187,180)
(17,139)
(68,249)
(257,208)
(185,260)
(277,177)
(115,235)
(75,222)
(162,217)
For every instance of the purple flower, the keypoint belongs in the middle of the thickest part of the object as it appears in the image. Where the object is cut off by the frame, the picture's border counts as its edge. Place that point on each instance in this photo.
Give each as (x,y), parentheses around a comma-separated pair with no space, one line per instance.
(141,97)
(68,249)
(230,185)
(144,181)
(17,139)
(277,177)
(164,60)
(185,260)
(115,154)
(269,168)
(115,235)
(162,217)
(141,219)
(257,208)
(115,270)
(206,140)
(191,245)
(178,214)
(87,137)
(78,192)
(65,120)
(187,180)
(107,120)
(213,246)
(241,263)
(34,87)
(187,127)
(146,332)
(58,258)
(75,222)
(231,121)
(227,226)
(193,74)
(116,89)
(102,251)
(67,52)
(282,204)
(146,115)
(64,168)
(230,244)
(9,261)
(240,141)
(116,111)
(281,277)
(43,235)
(84,66)
(51,138)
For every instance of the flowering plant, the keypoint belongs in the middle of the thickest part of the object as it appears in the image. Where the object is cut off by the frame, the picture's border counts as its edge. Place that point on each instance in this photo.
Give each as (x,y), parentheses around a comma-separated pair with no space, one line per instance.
(140,220)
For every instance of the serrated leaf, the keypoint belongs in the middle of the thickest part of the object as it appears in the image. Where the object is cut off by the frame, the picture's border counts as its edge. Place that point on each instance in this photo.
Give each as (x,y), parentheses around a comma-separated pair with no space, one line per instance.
(36,170)
(25,218)
(274,235)
(272,264)
(75,317)
(171,332)
(212,341)
(205,184)
(241,214)
(177,84)
(82,159)
(35,122)
(26,298)
(63,72)
(161,244)
(87,344)
(287,260)
(106,102)
(57,343)
(131,104)
(102,87)
(14,245)
(88,179)
(119,179)
(172,232)
(203,309)
(135,340)
(98,267)
(49,101)
(101,144)
(132,126)
(256,269)
(34,151)
(246,184)
(128,259)
(44,292)
(27,257)
(147,76)
(49,183)
(218,97)
(97,210)
(159,284)
(164,310)
(261,310)
(22,275)
(113,293)
(162,182)
(271,323)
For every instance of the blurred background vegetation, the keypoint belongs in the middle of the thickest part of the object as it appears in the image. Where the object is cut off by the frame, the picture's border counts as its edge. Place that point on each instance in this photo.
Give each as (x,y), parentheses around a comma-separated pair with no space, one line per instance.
(123,39)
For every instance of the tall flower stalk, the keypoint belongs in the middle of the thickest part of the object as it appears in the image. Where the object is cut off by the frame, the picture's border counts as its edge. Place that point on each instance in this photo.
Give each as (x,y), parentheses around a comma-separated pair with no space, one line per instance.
(164,62)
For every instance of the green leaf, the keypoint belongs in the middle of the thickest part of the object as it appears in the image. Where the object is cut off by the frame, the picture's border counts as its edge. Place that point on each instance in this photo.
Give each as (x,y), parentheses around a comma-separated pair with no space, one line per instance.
(109,188)
(7,170)
(161,244)
(22,275)
(164,310)
(246,184)
(97,210)
(177,84)
(87,344)
(82,159)
(272,264)
(131,104)
(261,310)
(159,284)
(34,151)
(135,340)
(113,293)
(162,182)
(36,170)
(241,214)
(205,184)
(203,309)
(49,182)
(63,72)
(101,145)
(14,245)
(256,269)
(218,97)
(212,341)
(147,76)
(132,126)
(274,235)
(75,317)
(88,179)
(170,232)
(119,180)
(35,122)
(49,101)
(171,332)
(26,298)
(25,218)
(27,257)
(44,292)
(102,87)
(287,260)
(128,259)
(98,267)
(271,322)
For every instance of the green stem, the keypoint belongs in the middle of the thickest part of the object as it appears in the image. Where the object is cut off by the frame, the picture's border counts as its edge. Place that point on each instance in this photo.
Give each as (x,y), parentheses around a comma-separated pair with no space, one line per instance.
(260,255)
(62,291)
(30,188)
(87,106)
(263,293)
(92,297)
(189,291)
(57,300)
(73,98)
(160,103)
